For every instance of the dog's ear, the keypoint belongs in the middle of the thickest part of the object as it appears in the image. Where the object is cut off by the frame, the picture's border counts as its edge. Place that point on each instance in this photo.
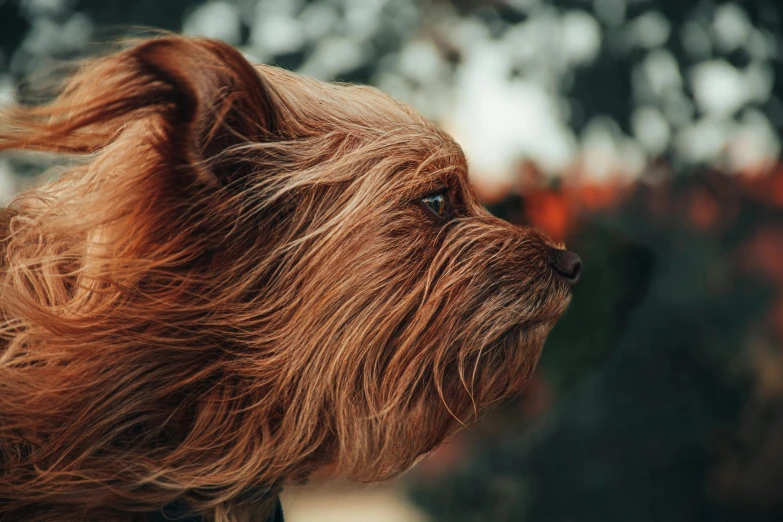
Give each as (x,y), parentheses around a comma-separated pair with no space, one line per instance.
(202,96)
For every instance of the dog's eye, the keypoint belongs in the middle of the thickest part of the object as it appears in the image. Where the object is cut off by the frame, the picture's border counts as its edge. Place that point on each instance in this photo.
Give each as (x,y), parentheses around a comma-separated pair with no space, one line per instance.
(436,203)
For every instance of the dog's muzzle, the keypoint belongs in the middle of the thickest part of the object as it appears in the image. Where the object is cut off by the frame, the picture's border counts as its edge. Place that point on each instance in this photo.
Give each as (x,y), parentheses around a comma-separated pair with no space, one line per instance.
(566,264)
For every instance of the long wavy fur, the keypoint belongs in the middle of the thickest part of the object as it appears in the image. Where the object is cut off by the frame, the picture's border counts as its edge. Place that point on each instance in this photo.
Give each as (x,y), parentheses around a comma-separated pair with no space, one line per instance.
(232,287)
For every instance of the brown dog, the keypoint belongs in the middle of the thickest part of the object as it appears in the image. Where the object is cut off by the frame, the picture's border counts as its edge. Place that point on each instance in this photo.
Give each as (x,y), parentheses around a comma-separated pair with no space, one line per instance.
(246,278)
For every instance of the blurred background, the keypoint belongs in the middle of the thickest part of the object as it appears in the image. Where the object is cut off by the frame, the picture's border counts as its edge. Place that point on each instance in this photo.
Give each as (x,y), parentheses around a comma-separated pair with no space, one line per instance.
(647,135)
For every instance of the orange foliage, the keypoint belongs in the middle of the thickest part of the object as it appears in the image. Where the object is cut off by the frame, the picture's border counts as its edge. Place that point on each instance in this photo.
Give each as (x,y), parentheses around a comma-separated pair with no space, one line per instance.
(767,188)
(703,210)
(764,251)
(556,211)
(549,211)
(599,196)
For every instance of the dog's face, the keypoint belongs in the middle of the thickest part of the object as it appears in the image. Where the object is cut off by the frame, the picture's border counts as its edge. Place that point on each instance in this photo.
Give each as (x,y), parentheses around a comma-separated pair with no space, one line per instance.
(298,272)
(403,306)
(408,308)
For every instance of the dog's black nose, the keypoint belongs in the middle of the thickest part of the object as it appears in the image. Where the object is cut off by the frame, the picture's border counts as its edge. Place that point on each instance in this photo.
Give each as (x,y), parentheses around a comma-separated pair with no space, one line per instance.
(567,264)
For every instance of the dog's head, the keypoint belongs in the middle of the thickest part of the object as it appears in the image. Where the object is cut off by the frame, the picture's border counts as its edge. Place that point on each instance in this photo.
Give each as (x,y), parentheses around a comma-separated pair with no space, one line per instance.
(253,277)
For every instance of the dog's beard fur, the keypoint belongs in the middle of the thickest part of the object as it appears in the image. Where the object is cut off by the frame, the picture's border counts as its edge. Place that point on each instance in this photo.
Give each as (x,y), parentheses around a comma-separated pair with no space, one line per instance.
(236,286)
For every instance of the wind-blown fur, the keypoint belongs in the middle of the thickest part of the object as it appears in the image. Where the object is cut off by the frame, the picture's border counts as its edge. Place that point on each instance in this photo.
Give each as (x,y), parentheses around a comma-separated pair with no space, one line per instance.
(234,285)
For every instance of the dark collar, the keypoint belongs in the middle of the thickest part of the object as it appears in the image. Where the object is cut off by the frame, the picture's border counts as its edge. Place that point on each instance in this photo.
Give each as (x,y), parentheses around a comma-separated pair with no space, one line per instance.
(178,512)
